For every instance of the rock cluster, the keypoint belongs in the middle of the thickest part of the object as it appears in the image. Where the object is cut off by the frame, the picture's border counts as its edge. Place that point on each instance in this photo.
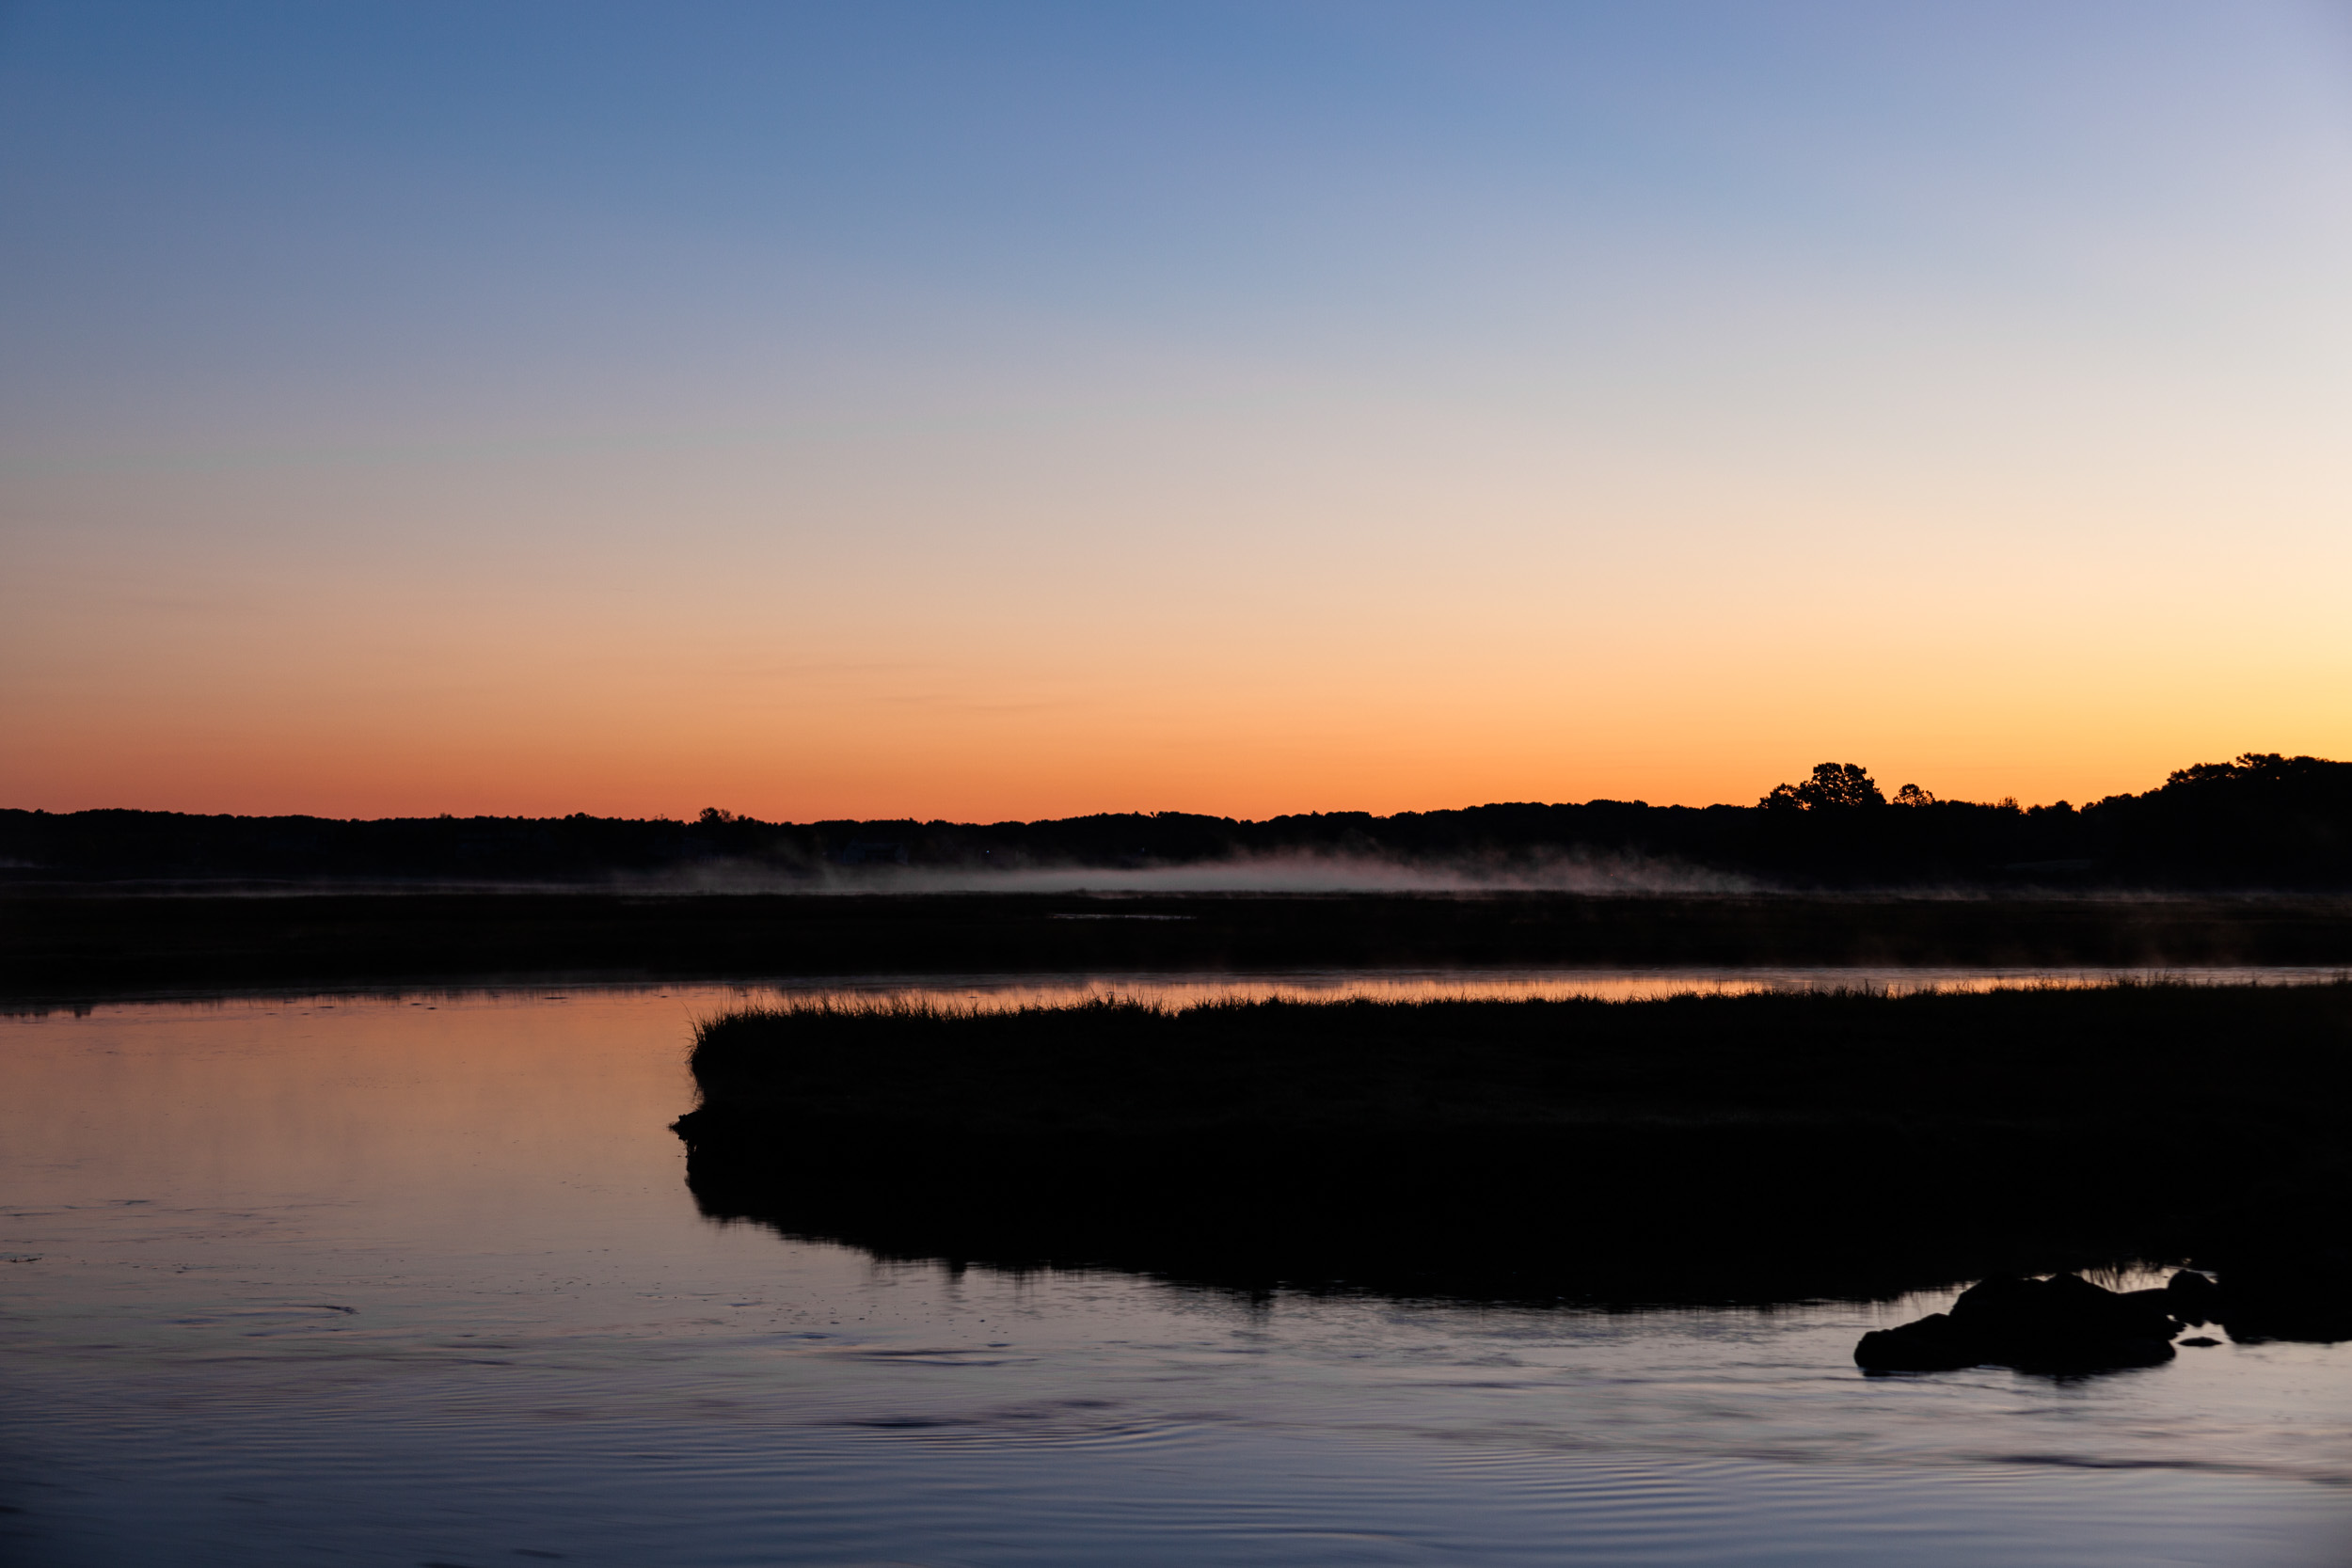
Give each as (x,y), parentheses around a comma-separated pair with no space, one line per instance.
(2062,1323)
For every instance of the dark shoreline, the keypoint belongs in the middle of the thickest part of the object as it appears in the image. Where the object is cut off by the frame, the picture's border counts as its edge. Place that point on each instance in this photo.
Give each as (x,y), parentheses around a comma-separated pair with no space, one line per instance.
(62,947)
(1750,1149)
(2260,820)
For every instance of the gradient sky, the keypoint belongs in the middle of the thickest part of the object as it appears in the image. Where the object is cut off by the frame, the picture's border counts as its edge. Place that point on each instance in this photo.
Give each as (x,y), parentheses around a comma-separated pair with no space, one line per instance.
(995,410)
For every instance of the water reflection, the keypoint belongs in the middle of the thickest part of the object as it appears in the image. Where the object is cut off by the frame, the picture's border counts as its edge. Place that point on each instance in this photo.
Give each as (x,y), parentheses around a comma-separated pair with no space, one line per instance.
(406,1281)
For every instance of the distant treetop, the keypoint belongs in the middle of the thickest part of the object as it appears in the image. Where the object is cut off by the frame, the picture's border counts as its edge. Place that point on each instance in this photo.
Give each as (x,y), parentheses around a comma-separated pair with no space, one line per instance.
(2258,768)
(1834,785)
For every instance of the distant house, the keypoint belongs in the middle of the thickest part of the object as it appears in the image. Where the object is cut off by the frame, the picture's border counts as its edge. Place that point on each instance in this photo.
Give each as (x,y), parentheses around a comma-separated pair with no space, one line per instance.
(871,852)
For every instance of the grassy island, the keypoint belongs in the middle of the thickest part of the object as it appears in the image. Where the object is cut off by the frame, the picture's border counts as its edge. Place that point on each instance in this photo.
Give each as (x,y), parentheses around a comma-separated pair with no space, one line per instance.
(1757,1147)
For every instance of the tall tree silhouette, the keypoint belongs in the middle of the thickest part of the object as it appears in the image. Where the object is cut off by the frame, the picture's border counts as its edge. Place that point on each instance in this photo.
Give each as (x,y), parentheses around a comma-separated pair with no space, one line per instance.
(1834,786)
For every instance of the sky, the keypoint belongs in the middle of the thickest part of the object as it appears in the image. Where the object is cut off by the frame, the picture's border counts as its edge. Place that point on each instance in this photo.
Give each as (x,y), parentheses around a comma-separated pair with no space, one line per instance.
(987,411)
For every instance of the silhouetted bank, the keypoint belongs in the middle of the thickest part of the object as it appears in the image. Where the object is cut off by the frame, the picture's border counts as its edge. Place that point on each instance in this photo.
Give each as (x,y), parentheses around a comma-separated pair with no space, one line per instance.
(65,946)
(2261,821)
(1754,1148)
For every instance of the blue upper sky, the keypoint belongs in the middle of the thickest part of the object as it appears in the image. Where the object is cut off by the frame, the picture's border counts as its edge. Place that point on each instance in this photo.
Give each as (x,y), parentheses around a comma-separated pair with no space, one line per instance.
(247,206)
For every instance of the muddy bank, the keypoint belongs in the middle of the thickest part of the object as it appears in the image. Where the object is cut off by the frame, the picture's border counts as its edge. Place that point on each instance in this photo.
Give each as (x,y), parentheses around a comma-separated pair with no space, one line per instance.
(1755,1147)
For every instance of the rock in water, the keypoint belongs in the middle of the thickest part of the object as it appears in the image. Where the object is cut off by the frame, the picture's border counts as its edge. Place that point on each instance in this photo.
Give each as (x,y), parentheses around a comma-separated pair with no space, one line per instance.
(2192,1297)
(2062,1323)
(2300,1292)
(1932,1344)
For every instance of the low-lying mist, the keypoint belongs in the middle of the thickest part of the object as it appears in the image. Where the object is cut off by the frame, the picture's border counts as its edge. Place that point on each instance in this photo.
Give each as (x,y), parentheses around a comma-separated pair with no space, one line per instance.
(1303,873)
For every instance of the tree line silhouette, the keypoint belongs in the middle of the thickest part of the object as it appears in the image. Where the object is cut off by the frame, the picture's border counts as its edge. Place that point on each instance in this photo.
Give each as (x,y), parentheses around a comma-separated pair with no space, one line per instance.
(2261,819)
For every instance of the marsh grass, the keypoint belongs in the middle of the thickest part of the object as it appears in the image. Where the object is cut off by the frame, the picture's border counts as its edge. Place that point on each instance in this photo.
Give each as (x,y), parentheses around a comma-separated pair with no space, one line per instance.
(1775,1143)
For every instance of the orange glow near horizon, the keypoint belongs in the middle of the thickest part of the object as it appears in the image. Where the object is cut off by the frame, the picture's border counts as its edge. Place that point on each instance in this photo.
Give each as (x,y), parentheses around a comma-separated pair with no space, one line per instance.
(1435,662)
(1699,664)
(527,720)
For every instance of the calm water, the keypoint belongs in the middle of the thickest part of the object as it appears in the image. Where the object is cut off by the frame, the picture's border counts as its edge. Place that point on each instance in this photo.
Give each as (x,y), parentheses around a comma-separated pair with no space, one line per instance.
(415,1281)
